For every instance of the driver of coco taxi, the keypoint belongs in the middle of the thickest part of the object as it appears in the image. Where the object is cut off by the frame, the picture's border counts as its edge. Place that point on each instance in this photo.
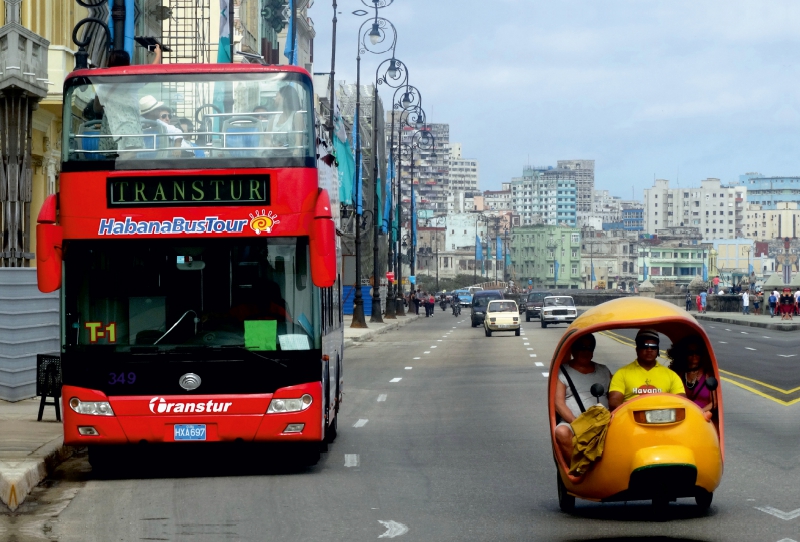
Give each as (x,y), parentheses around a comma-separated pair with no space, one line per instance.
(644,375)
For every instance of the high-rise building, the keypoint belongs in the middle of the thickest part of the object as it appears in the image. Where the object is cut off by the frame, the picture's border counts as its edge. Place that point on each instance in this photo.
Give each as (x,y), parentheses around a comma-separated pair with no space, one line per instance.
(544,195)
(464,172)
(583,173)
(716,210)
(768,192)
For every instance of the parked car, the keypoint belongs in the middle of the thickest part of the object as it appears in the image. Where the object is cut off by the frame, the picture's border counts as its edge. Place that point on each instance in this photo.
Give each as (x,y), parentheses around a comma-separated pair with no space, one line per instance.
(480,300)
(501,315)
(533,304)
(558,309)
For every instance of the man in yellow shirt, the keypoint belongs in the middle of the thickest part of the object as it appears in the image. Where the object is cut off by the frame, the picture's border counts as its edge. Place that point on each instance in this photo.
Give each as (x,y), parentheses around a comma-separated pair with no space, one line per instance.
(644,375)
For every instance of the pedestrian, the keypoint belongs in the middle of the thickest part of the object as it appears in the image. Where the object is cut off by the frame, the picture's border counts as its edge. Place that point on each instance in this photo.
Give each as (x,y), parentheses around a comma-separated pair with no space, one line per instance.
(773,301)
(432,303)
(755,299)
(703,300)
(699,302)
(787,304)
(716,284)
(688,301)
(745,303)
(415,302)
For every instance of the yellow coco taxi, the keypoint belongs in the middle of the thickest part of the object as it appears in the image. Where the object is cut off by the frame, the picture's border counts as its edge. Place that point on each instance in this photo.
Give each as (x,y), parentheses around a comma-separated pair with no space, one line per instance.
(501,315)
(658,446)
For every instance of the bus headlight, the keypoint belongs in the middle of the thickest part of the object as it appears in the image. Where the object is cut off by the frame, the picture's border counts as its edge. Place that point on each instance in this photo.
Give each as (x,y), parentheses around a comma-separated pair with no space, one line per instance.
(278,406)
(94,408)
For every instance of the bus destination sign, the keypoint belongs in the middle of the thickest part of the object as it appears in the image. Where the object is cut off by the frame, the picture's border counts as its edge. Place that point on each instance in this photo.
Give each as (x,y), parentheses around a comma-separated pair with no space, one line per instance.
(187,191)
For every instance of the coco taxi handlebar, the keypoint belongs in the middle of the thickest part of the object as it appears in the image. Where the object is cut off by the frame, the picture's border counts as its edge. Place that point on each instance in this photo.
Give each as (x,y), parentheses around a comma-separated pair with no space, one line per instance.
(657,447)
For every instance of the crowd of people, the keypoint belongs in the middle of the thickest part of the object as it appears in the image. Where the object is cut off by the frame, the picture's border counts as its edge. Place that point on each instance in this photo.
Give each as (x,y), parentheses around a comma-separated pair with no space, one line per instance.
(687,375)
(784,304)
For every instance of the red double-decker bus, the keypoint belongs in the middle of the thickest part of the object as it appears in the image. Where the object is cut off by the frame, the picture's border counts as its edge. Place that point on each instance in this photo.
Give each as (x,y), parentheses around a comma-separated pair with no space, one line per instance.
(196,259)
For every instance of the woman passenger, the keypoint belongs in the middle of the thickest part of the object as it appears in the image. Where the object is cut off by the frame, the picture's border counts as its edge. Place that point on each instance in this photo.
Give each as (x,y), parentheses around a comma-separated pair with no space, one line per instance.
(584,373)
(691,361)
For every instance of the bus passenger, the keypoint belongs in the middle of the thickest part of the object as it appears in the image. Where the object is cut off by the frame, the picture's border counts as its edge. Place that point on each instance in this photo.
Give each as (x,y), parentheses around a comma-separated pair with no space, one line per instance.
(289,120)
(644,375)
(583,372)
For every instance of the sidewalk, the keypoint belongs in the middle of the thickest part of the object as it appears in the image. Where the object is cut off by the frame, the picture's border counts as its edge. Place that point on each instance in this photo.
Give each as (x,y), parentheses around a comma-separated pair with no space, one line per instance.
(30,450)
(761,321)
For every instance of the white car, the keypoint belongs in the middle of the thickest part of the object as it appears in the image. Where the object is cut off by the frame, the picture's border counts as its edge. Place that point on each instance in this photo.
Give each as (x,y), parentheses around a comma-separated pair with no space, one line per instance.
(501,315)
(558,309)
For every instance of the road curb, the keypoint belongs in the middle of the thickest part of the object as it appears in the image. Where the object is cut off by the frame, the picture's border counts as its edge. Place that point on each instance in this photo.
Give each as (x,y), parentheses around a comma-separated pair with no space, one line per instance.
(762,325)
(369,335)
(19,477)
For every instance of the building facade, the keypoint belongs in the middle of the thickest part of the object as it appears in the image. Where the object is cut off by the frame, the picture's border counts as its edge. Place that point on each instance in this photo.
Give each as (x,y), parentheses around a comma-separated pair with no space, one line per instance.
(762,223)
(717,210)
(545,195)
(608,260)
(548,256)
(671,261)
(583,173)
(464,172)
(768,192)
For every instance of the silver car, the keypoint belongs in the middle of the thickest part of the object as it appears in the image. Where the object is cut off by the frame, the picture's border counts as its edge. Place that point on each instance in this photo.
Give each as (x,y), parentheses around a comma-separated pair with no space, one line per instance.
(558,309)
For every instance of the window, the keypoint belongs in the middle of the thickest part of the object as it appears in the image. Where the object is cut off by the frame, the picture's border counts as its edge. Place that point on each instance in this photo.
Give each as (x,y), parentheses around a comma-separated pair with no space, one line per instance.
(552,269)
(575,238)
(574,269)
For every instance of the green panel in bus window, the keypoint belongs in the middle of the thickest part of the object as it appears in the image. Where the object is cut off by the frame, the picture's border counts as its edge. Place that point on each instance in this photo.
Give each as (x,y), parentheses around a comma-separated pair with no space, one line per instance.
(260,334)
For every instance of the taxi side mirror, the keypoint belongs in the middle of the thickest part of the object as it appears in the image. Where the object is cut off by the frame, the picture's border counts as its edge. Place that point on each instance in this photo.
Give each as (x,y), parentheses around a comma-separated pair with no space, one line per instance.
(711,383)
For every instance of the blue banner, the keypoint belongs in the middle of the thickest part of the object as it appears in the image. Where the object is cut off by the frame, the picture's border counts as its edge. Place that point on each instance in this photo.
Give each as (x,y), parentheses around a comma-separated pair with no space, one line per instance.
(593,278)
(478,249)
(357,179)
(290,51)
(555,272)
(499,248)
(130,28)
(387,207)
(413,222)
(705,272)
(224,47)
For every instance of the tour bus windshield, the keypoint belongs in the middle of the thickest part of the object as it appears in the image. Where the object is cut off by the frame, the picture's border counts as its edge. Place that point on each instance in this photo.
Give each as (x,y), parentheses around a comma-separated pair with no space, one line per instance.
(179,120)
(163,294)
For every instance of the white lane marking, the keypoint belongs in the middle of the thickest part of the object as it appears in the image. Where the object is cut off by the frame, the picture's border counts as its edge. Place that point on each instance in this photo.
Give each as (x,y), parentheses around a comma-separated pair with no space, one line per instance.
(417,357)
(351,460)
(545,374)
(427,352)
(360,423)
(539,364)
(433,346)
(764,337)
(726,329)
(398,379)
(744,333)
(409,368)
(382,398)
(787,355)
(723,342)
(787,516)
(438,340)
(713,327)
(393,529)
(748,348)
(526,344)
(529,349)
(455,328)
(532,355)
(786,540)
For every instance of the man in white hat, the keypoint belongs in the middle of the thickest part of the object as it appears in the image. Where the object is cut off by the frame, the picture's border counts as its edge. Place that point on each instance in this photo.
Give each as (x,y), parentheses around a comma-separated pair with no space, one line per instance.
(154,110)
(644,375)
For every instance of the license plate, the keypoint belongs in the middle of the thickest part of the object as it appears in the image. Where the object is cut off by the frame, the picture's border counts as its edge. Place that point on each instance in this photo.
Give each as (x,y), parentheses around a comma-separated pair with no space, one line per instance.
(190,432)
(561,317)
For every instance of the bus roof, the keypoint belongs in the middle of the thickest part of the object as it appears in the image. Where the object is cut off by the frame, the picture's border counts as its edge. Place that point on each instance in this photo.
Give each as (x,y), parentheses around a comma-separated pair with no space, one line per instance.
(156,69)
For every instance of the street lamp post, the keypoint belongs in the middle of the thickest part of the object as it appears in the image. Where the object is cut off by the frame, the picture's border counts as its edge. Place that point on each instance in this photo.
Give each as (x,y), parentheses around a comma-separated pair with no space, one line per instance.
(375,41)
(552,243)
(750,284)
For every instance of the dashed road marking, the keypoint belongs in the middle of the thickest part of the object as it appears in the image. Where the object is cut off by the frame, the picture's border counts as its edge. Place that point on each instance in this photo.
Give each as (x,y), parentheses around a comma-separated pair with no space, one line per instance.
(539,364)
(427,352)
(529,348)
(545,374)
(398,379)
(786,516)
(417,357)
(726,329)
(533,355)
(360,423)
(526,344)
(787,355)
(748,348)
(744,333)
(723,342)
(382,398)
(438,340)
(393,529)
(409,368)
(351,460)
(764,337)
(433,346)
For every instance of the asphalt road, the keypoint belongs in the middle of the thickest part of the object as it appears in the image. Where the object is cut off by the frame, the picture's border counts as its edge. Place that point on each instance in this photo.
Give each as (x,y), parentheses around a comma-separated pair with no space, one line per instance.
(456,449)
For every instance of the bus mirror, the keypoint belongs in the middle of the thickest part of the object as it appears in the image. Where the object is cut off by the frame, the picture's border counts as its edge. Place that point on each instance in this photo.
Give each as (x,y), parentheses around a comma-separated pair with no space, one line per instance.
(323,252)
(48,257)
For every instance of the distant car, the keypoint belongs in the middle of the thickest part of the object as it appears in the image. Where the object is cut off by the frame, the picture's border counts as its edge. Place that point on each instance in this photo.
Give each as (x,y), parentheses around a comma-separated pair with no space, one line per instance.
(533,303)
(479,302)
(464,297)
(473,289)
(559,309)
(501,315)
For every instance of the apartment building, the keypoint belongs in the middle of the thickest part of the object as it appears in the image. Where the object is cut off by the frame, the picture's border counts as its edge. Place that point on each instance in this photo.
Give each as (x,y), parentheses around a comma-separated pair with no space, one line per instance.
(545,195)
(464,172)
(548,256)
(764,223)
(768,192)
(583,173)
(716,210)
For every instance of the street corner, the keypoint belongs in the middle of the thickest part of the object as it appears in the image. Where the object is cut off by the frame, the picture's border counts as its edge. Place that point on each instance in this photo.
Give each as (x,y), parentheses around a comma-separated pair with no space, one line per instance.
(19,475)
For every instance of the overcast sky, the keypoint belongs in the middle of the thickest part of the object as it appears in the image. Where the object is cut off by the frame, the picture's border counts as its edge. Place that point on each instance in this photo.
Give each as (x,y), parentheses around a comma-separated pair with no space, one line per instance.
(692,88)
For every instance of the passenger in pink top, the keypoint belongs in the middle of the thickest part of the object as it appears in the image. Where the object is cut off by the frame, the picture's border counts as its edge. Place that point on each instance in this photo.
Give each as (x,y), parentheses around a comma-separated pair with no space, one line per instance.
(691,361)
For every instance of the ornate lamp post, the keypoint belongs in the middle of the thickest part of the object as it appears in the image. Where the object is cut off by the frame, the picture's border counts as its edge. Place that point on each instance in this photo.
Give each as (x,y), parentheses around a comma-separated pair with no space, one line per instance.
(374,40)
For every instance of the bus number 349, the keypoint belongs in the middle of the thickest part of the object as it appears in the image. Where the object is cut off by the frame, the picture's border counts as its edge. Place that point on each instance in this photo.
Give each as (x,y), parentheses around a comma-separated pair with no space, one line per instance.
(121,378)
